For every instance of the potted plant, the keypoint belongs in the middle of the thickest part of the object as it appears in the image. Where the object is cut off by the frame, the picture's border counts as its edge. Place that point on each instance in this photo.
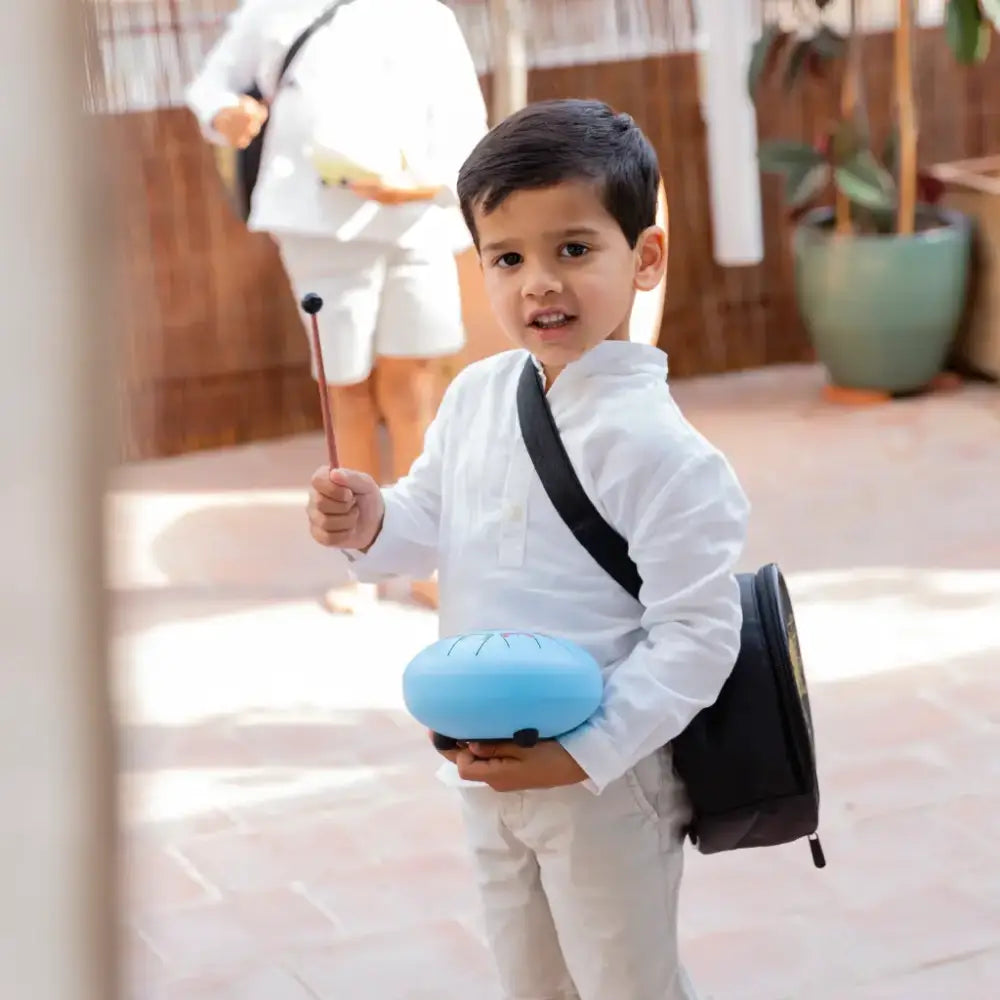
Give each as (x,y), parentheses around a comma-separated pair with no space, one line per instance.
(881,274)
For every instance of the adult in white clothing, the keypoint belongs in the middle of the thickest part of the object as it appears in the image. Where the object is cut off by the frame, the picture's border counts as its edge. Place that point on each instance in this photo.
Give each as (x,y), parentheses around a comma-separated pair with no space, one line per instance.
(365,136)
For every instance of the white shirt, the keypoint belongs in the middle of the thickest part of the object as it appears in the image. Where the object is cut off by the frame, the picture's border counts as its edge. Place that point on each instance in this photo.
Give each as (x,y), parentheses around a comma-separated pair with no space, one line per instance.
(473,507)
(402,64)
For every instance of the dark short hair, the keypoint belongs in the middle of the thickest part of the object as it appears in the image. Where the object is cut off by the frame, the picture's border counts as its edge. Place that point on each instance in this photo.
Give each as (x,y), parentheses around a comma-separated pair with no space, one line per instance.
(550,142)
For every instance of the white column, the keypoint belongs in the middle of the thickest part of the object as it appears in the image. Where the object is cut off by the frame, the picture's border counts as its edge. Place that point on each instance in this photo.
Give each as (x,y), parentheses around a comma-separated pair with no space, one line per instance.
(509,56)
(56,763)
(728,29)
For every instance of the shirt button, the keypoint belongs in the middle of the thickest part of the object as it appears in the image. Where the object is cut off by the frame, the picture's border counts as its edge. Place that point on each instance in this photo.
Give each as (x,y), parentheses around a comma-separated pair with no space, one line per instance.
(515,512)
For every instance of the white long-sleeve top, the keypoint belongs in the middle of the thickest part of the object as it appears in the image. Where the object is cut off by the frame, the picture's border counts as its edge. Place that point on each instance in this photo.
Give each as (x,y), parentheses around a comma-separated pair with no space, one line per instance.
(473,507)
(399,67)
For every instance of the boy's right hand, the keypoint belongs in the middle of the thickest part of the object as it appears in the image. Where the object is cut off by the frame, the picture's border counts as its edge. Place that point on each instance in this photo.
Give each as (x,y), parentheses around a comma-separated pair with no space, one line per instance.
(345,508)
(241,124)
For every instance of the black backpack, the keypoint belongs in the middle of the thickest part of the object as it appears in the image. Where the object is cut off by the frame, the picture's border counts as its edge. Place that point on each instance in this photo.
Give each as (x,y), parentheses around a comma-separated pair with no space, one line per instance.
(245,166)
(748,761)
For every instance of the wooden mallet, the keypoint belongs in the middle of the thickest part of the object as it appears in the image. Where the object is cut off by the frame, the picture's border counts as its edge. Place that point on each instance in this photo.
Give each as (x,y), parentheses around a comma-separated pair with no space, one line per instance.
(311,304)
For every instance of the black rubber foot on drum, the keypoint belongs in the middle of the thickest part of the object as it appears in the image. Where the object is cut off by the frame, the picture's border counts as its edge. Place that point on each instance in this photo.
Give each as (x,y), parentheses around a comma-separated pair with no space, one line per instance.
(444,742)
(526,738)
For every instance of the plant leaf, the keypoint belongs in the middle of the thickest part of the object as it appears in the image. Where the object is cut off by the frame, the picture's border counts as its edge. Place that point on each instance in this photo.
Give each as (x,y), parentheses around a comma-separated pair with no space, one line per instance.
(963,23)
(866,182)
(985,37)
(847,140)
(784,156)
(760,56)
(991,8)
(805,183)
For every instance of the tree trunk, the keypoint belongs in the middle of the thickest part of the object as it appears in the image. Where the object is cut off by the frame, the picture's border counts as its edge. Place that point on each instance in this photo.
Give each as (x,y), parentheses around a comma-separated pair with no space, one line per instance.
(849,96)
(907,119)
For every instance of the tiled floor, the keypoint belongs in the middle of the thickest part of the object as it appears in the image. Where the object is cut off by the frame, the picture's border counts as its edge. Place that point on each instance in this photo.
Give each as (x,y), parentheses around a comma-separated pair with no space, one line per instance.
(284,837)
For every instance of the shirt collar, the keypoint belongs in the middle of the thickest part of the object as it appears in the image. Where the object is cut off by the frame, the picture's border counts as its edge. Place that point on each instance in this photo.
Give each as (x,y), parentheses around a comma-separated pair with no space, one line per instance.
(616,357)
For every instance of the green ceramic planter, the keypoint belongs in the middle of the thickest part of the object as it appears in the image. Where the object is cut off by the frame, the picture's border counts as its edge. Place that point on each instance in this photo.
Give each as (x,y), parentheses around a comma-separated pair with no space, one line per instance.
(882,311)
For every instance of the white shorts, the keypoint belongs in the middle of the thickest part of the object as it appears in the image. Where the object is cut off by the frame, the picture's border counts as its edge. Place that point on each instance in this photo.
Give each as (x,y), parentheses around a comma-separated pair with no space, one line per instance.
(580,891)
(378,300)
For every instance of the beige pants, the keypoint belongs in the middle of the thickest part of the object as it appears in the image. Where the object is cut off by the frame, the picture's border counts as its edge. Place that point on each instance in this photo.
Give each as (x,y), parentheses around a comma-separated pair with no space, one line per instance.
(580,891)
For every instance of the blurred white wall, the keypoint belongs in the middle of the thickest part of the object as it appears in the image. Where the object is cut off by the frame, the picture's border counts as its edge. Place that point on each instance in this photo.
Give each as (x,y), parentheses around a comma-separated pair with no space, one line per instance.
(56,759)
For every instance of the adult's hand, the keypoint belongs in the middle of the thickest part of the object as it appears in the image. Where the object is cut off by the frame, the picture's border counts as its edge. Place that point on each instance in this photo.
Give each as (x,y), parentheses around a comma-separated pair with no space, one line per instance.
(241,124)
(386,195)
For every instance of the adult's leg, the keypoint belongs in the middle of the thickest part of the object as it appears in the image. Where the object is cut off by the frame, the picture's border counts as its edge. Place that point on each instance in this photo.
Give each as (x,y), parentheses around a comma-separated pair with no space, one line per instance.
(350,279)
(356,418)
(408,392)
(419,325)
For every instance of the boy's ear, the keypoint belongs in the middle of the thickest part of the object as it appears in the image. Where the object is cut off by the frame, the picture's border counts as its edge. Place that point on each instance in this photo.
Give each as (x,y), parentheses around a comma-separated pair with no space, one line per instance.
(650,258)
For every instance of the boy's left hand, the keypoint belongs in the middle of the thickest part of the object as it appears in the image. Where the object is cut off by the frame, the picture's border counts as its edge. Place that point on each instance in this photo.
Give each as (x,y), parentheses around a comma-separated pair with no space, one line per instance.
(506,767)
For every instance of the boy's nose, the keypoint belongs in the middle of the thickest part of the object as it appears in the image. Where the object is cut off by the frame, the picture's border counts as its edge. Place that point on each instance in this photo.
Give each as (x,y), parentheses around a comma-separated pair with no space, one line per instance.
(539,282)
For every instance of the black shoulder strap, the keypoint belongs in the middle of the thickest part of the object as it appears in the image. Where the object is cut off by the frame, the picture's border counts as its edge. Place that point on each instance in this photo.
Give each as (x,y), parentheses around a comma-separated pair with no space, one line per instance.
(555,470)
(324,18)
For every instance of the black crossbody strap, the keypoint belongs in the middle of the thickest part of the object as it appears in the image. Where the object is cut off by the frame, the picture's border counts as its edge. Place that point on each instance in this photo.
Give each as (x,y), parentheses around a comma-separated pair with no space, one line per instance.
(324,18)
(555,470)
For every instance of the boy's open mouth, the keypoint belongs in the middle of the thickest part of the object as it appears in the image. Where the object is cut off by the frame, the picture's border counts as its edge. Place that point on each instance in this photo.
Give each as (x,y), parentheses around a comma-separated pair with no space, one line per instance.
(551,321)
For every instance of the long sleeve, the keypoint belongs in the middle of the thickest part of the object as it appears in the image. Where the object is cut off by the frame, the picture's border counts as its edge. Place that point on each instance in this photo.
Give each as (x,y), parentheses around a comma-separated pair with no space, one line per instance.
(408,541)
(686,531)
(457,118)
(230,67)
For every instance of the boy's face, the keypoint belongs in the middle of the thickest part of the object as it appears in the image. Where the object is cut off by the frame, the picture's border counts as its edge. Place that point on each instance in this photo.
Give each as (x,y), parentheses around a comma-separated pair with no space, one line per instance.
(560,275)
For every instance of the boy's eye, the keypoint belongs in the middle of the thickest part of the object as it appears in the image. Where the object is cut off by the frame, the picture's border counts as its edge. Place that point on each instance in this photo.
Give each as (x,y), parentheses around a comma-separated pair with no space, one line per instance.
(575,250)
(510,259)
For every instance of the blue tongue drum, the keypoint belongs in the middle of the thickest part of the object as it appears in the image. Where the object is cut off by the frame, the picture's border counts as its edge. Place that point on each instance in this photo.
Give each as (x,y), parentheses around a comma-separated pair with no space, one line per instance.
(492,686)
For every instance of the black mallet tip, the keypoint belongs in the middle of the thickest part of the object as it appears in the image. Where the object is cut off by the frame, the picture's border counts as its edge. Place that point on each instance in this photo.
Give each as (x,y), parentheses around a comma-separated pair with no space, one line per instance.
(311,303)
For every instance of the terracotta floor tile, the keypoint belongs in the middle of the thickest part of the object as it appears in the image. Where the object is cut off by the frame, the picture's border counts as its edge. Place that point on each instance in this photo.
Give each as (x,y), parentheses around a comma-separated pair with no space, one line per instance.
(982,881)
(402,825)
(978,817)
(142,967)
(255,860)
(976,754)
(160,810)
(285,793)
(968,977)
(316,739)
(155,877)
(730,892)
(400,893)
(974,692)
(434,961)
(933,925)
(209,744)
(255,983)
(890,782)
(878,857)
(792,958)
(238,930)
(880,713)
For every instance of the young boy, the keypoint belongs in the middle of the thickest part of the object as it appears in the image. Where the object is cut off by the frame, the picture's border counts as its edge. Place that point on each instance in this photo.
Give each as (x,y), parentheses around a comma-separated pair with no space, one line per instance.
(577,842)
